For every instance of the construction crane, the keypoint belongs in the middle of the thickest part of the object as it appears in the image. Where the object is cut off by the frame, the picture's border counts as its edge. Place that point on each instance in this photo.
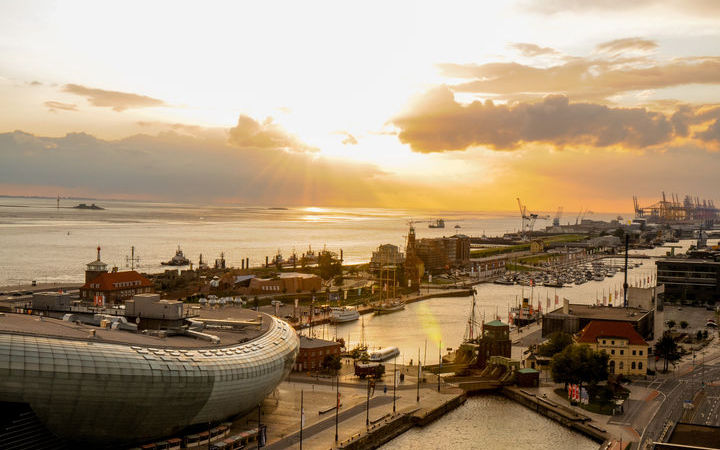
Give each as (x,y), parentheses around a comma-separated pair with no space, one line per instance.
(556,219)
(527,220)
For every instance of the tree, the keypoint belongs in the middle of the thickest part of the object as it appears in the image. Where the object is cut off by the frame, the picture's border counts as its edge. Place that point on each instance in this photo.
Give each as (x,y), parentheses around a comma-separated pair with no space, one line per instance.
(328,266)
(580,363)
(331,363)
(670,324)
(556,343)
(683,324)
(256,303)
(667,349)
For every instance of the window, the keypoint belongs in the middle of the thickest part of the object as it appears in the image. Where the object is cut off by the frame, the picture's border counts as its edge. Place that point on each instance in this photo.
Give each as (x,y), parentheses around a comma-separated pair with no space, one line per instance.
(612,352)
(604,342)
(639,365)
(632,366)
(622,352)
(620,366)
(612,342)
(640,352)
(633,352)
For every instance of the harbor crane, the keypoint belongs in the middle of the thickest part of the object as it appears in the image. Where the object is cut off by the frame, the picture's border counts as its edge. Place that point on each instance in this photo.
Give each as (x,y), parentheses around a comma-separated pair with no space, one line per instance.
(527,220)
(558,215)
(581,215)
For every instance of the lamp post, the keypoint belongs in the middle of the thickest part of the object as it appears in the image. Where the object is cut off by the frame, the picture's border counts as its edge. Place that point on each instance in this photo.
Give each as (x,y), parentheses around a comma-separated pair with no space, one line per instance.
(337,404)
(367,406)
(439,362)
(394,382)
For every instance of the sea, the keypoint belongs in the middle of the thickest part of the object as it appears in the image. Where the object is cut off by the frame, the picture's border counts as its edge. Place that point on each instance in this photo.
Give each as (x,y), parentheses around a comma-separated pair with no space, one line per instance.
(49,244)
(39,241)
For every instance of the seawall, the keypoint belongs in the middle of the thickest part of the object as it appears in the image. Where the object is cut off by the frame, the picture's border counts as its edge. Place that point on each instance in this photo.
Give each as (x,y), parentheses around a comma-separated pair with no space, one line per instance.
(391,426)
(569,418)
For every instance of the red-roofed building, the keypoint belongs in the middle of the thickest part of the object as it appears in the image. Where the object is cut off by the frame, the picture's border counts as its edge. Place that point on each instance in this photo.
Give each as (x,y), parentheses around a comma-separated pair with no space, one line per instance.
(627,349)
(114,287)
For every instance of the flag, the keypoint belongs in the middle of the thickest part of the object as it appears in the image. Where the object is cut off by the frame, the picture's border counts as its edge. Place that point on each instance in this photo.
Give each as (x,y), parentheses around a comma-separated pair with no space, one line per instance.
(557,299)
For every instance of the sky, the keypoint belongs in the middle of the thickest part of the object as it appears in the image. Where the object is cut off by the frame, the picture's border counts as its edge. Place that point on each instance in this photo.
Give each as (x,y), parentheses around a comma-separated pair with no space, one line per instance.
(407,104)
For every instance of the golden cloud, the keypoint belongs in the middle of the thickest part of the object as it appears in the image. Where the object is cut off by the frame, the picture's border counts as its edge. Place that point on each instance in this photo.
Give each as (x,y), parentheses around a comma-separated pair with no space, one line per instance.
(633,44)
(438,123)
(249,133)
(532,50)
(54,106)
(118,101)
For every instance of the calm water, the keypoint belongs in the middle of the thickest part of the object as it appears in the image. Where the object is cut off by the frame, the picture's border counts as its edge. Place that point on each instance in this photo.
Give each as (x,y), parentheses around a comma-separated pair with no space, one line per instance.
(43,243)
(492,423)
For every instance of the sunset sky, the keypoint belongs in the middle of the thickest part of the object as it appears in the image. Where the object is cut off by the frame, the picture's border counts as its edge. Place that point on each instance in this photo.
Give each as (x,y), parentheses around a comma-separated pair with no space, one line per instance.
(430,105)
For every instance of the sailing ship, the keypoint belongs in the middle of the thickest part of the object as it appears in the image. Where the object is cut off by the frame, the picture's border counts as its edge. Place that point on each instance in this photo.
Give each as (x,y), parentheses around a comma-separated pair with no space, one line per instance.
(439,223)
(389,307)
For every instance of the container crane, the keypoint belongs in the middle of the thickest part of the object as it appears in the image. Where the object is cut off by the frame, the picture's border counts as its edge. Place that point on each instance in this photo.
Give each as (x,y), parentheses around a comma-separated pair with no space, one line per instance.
(558,215)
(527,220)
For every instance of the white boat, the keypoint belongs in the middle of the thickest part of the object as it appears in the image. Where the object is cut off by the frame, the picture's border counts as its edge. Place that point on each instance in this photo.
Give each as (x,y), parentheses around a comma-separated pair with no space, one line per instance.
(343,314)
(384,354)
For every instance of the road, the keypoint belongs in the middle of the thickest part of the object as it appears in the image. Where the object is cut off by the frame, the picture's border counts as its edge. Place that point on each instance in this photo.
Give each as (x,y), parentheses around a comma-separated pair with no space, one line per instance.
(700,383)
(294,438)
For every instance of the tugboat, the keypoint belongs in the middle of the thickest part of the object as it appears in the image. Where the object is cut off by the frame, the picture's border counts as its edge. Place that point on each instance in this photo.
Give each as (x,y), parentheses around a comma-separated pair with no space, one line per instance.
(439,223)
(178,260)
(524,314)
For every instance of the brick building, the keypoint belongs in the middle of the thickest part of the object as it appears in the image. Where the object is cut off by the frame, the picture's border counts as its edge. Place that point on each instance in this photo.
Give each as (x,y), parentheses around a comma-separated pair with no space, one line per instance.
(313,352)
(285,282)
(439,254)
(113,287)
(495,341)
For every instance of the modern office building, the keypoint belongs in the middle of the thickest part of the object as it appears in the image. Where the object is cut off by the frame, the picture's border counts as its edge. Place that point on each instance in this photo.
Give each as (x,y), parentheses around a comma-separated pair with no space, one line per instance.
(102,386)
(690,279)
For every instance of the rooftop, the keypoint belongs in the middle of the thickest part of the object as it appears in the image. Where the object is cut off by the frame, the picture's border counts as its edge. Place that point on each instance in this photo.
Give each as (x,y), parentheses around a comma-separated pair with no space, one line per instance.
(611,329)
(306,342)
(108,281)
(33,325)
(594,312)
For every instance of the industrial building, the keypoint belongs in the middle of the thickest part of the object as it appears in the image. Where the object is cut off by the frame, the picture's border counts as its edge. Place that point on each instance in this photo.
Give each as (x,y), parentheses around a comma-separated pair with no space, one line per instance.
(690,279)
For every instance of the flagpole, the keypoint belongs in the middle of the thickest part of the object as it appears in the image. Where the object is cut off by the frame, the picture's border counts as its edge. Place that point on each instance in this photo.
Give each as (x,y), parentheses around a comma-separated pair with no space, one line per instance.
(302,416)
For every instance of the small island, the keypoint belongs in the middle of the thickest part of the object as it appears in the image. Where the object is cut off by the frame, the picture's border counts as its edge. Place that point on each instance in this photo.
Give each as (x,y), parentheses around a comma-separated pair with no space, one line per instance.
(86,206)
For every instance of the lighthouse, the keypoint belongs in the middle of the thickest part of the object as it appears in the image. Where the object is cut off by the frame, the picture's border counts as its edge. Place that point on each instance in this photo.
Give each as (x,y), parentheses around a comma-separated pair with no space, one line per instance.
(95,268)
